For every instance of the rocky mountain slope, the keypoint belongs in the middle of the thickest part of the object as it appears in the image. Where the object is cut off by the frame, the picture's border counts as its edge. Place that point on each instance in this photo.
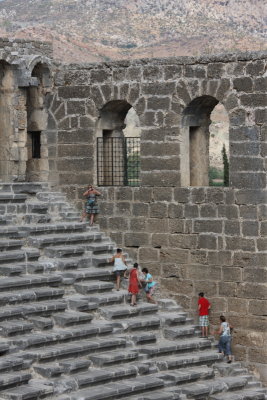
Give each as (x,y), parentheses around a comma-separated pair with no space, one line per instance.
(99,30)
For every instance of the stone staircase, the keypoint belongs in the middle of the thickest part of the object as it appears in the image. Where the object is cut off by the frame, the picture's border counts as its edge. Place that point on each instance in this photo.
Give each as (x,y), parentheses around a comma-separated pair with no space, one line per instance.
(65,333)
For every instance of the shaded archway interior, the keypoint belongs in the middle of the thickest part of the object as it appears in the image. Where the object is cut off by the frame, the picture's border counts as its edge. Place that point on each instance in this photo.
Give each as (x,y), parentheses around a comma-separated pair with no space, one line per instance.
(195,141)
(37,124)
(114,144)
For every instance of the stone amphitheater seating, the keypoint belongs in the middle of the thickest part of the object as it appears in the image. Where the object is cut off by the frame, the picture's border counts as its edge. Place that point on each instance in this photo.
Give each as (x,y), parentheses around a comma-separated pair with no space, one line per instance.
(66,334)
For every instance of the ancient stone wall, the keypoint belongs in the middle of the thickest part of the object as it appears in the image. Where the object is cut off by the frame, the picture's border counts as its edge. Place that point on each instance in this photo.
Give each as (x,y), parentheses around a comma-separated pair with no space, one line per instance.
(191,238)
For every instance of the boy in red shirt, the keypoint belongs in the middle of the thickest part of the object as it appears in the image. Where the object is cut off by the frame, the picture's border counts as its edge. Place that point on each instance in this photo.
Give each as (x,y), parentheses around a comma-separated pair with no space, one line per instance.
(203,309)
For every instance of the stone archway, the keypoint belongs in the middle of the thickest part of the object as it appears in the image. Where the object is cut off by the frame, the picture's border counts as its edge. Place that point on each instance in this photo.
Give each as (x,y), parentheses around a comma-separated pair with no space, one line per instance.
(195,144)
(118,126)
(37,116)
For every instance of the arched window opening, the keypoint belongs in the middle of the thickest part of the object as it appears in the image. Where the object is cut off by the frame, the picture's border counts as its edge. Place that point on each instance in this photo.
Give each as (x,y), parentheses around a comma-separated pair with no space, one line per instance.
(204,135)
(8,146)
(37,168)
(118,145)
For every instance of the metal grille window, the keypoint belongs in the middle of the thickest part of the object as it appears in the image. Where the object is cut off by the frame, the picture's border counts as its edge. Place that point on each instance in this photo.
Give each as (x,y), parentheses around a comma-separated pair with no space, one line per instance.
(118,161)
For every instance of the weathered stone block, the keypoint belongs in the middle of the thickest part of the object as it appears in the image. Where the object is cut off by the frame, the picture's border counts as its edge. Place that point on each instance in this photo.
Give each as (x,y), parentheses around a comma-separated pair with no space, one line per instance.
(227,289)
(243,84)
(182,195)
(163,194)
(172,72)
(124,193)
(133,73)
(262,244)
(81,164)
(191,211)
(250,228)
(161,89)
(255,274)
(198,195)
(123,208)
(160,163)
(215,70)
(252,291)
(160,239)
(255,180)
(140,209)
(248,196)
(136,239)
(183,241)
(237,117)
(254,100)
(255,68)
(100,75)
(229,212)
(195,71)
(247,164)
(74,92)
(260,115)
(158,103)
(71,150)
(208,211)
(232,228)
(176,226)
(175,285)
(220,258)
(239,243)
(118,224)
(207,242)
(168,178)
(77,136)
(158,210)
(75,179)
(257,307)
(175,211)
(209,272)
(160,149)
(152,72)
(76,107)
(138,225)
(244,133)
(248,212)
(168,255)
(157,225)
(236,305)
(207,225)
(148,254)
(107,208)
(232,274)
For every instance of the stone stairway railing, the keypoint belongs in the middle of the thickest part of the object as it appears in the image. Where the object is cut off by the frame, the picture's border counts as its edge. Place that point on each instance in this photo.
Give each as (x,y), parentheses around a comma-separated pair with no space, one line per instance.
(66,334)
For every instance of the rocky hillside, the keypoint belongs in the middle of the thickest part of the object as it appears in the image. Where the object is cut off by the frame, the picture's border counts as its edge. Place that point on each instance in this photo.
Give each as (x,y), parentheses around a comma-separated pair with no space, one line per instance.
(100,30)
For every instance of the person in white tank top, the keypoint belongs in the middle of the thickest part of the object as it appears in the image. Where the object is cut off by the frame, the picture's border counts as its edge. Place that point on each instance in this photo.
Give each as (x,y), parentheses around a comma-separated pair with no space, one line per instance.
(120,266)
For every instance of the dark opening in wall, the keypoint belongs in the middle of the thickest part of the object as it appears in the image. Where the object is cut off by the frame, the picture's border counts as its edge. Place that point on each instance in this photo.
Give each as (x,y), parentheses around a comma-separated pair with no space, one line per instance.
(36,144)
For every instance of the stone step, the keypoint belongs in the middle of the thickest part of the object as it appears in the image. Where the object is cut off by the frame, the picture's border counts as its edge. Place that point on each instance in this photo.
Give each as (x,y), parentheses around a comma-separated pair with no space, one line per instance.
(85,274)
(114,357)
(100,248)
(172,319)
(29,295)
(107,298)
(172,347)
(67,238)
(37,207)
(244,394)
(206,388)
(64,251)
(80,303)
(9,245)
(73,349)
(142,337)
(93,287)
(137,323)
(17,327)
(180,332)
(31,218)
(42,323)
(101,260)
(58,336)
(13,379)
(13,269)
(168,304)
(55,227)
(127,311)
(11,231)
(163,394)
(27,392)
(185,375)
(205,357)
(14,256)
(96,377)
(43,308)
(6,197)
(29,281)
(123,389)
(4,347)
(10,363)
(72,318)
